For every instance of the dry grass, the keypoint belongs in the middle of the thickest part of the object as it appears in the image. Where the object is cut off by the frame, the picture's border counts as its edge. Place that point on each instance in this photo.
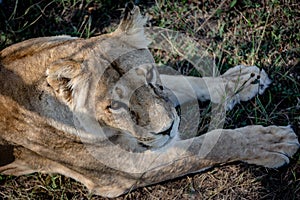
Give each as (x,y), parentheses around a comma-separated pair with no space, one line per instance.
(249,32)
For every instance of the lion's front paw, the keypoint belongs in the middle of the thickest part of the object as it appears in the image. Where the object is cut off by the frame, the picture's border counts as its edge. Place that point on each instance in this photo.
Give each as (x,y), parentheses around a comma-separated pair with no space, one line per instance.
(243,83)
(270,146)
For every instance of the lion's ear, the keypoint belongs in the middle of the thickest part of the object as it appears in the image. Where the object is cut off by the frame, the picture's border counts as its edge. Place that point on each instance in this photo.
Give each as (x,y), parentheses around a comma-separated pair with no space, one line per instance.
(61,76)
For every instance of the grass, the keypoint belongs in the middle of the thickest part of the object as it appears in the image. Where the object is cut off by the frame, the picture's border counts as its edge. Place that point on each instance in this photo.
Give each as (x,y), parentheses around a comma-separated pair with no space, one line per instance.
(247,32)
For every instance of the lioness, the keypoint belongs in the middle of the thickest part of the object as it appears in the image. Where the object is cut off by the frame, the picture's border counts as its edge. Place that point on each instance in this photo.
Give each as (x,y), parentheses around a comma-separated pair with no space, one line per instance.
(97,110)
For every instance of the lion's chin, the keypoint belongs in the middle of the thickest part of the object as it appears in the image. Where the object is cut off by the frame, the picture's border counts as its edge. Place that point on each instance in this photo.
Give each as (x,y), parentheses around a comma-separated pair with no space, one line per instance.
(163,138)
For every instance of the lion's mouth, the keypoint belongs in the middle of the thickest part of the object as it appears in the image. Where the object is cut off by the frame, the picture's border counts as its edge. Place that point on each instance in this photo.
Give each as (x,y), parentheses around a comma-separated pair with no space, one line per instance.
(164,137)
(167,131)
(172,129)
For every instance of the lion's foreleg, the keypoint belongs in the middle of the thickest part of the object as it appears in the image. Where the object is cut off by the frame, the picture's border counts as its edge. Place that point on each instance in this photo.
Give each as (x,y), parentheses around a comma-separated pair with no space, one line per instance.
(239,83)
(187,88)
(266,146)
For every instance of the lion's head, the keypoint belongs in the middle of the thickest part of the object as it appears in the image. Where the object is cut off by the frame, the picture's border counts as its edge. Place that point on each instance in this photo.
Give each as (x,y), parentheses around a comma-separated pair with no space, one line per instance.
(135,102)
(114,83)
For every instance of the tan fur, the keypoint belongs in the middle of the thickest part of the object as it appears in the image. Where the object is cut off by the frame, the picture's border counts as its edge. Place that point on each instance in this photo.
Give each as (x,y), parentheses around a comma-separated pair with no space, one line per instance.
(94,110)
